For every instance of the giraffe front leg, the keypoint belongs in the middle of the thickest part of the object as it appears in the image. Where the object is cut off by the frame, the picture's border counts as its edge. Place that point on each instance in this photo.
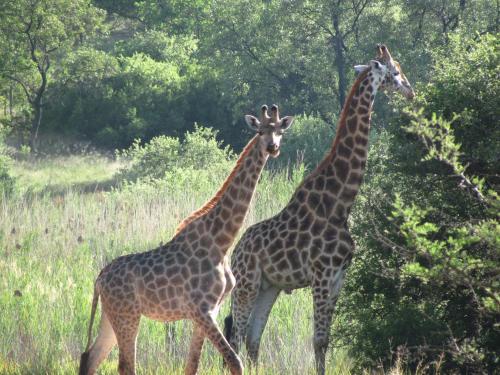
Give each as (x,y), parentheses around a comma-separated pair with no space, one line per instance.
(195,350)
(324,299)
(212,331)
(237,328)
(244,296)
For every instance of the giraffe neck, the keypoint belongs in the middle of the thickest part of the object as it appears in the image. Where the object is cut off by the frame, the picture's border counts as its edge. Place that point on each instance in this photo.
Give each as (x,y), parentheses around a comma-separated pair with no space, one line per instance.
(222,216)
(331,188)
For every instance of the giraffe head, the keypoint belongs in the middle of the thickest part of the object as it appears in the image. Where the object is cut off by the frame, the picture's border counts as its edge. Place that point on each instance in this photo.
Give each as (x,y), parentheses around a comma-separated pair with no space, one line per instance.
(269,128)
(395,80)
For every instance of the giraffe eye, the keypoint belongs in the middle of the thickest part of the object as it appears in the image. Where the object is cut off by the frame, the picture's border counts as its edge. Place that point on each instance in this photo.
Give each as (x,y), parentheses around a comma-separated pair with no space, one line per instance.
(396,74)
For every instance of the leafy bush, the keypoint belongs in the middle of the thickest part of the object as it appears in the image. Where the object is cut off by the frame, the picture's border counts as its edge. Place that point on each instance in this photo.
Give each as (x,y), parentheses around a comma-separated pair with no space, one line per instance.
(159,46)
(150,160)
(173,161)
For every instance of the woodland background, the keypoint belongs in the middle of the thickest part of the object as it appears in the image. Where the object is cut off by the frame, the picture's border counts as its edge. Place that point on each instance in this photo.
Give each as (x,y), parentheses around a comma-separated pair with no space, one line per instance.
(118,118)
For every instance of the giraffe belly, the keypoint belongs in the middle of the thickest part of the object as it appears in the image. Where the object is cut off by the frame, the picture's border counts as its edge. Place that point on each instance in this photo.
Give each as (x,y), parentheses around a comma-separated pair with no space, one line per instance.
(166,304)
(288,272)
(168,316)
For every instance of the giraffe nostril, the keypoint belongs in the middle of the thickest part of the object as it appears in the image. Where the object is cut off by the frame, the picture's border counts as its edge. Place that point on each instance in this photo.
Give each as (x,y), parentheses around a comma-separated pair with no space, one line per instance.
(272,147)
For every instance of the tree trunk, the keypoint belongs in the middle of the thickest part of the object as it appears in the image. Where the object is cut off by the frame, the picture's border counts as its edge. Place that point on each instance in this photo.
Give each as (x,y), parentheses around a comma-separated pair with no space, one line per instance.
(11,98)
(37,105)
(35,124)
(338,43)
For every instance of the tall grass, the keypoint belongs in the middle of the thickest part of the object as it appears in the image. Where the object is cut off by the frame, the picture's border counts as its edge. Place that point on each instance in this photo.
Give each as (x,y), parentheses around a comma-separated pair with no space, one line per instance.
(54,242)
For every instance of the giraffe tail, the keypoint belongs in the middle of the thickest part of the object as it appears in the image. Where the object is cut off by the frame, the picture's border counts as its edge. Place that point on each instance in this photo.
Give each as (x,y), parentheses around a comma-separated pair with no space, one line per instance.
(228,329)
(228,326)
(85,356)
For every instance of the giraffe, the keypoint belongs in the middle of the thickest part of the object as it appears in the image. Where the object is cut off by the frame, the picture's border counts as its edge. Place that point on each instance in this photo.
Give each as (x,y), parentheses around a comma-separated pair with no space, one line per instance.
(308,242)
(188,277)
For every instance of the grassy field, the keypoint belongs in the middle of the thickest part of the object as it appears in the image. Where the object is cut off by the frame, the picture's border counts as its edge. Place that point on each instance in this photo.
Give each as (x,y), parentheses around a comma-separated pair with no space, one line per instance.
(63,227)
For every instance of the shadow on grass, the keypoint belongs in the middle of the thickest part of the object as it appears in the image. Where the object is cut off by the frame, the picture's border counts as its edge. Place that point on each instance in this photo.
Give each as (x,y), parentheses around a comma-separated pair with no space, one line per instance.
(85,187)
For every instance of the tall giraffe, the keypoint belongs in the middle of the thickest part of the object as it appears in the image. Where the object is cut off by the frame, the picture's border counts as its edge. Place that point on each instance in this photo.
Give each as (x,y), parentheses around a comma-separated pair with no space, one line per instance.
(308,242)
(188,277)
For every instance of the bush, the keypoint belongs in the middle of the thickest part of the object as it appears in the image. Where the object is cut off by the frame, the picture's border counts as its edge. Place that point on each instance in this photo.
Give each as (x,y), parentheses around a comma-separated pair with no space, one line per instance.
(172,161)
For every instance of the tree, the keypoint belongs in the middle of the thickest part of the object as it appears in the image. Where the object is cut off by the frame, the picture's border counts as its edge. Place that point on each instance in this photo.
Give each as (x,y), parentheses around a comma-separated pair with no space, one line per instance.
(34,32)
(424,284)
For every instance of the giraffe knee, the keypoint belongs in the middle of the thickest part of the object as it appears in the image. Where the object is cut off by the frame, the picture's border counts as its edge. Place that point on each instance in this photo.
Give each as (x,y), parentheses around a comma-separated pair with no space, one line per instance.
(125,368)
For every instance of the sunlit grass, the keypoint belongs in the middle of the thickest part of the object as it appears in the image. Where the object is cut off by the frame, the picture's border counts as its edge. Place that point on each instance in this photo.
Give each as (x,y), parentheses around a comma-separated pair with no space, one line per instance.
(53,246)
(54,175)
(56,235)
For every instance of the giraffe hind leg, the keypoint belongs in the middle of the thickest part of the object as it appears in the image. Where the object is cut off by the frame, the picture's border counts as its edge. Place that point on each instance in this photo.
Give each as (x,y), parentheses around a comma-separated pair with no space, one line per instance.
(258,320)
(126,328)
(243,300)
(103,344)
(324,300)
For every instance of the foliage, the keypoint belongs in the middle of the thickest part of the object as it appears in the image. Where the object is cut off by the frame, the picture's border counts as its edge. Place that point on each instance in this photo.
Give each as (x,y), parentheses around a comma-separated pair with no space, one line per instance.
(167,158)
(112,100)
(472,76)
(7,181)
(424,280)
(159,46)
(306,142)
(33,32)
(107,73)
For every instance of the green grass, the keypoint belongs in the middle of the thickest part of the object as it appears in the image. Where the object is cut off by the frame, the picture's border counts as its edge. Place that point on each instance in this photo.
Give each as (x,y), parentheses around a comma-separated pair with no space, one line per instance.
(52,247)
(85,173)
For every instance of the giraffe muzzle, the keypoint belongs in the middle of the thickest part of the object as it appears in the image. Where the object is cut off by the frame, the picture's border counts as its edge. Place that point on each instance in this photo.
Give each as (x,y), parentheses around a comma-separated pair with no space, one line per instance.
(273,149)
(410,94)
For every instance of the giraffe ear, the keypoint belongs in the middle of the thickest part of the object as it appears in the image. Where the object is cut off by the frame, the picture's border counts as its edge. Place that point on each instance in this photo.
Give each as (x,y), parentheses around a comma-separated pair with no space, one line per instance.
(378,66)
(286,122)
(252,122)
(358,69)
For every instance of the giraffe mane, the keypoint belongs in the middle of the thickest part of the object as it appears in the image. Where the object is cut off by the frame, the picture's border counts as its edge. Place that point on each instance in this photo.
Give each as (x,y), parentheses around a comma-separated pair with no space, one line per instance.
(341,124)
(218,195)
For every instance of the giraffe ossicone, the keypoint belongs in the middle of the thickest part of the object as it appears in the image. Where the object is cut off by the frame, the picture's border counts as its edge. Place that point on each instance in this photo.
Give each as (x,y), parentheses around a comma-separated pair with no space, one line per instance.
(308,242)
(188,277)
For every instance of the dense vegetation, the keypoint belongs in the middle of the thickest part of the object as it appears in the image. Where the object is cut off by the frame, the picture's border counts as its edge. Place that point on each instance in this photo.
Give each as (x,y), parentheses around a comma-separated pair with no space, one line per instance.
(109,111)
(425,281)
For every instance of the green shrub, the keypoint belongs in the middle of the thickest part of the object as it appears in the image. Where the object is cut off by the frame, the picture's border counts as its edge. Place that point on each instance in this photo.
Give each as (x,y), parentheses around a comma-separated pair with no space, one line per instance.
(167,161)
(150,160)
